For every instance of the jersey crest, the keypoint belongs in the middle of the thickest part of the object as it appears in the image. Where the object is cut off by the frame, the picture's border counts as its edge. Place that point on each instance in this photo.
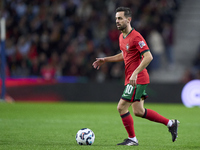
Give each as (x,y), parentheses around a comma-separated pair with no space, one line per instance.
(127,48)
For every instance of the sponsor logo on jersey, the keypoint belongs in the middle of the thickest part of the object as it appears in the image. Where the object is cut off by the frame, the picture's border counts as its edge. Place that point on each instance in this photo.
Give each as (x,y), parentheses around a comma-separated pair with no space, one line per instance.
(141,44)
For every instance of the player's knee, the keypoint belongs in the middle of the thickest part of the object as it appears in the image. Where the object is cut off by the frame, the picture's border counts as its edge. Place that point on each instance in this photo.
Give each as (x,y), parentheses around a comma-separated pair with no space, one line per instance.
(139,112)
(119,109)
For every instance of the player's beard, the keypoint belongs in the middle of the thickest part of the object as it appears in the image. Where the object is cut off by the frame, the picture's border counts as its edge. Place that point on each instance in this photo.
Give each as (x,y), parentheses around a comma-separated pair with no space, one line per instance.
(122,27)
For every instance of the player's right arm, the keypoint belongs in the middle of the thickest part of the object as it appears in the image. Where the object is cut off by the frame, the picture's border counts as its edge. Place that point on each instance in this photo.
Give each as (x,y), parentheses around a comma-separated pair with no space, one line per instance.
(101,61)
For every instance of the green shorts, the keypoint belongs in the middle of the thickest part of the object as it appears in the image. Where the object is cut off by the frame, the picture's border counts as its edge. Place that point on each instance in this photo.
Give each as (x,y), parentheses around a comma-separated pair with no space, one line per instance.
(132,93)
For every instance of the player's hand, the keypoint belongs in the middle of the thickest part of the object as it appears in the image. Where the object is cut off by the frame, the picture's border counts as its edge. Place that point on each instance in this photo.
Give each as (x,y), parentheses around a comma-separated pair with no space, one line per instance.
(133,79)
(98,63)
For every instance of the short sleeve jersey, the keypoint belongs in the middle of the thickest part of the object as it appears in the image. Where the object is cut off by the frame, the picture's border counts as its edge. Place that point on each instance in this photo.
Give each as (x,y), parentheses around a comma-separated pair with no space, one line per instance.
(132,47)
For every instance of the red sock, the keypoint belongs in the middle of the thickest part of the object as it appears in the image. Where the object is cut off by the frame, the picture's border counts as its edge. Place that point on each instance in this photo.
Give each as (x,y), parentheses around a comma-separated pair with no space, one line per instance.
(154,116)
(128,124)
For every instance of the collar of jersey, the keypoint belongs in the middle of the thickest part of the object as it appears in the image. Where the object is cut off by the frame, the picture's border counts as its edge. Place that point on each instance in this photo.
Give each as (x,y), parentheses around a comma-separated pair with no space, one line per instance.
(128,33)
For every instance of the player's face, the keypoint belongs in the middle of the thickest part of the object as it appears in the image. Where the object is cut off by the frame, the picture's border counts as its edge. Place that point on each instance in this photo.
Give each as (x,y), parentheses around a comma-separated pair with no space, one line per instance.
(121,20)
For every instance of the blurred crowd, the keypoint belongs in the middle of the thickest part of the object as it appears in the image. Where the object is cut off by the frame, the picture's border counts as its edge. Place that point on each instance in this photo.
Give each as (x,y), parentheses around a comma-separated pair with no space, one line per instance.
(52,38)
(193,72)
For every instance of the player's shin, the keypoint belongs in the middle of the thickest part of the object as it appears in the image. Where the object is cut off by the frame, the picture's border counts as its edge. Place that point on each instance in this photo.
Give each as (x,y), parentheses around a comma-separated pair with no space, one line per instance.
(128,124)
(154,116)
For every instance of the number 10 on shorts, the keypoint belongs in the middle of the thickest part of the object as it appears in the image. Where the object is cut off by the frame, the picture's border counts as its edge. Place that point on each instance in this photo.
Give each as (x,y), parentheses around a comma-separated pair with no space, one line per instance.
(129,89)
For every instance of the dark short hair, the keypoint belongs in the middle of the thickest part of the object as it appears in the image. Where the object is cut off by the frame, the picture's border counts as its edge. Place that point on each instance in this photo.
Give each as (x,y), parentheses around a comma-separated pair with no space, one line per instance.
(127,11)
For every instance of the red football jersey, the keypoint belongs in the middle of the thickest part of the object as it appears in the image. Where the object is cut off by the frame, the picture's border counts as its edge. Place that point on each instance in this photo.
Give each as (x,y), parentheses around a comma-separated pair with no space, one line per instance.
(132,47)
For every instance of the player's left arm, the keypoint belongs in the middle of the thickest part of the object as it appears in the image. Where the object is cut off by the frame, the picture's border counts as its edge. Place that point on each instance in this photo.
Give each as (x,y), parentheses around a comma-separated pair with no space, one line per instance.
(147,58)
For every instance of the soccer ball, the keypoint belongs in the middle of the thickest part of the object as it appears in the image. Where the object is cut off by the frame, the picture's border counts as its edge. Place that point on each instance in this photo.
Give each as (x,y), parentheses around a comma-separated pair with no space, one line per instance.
(85,136)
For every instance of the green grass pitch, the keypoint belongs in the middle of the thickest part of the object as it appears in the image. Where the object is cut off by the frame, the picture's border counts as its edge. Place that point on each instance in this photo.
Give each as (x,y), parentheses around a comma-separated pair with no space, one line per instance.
(53,126)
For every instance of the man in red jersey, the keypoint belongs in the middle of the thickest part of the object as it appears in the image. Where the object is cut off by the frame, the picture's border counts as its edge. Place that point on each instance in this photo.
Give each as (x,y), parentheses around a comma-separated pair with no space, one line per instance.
(136,55)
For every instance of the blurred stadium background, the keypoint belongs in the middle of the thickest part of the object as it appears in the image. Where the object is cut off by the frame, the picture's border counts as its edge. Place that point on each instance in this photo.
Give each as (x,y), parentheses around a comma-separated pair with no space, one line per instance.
(51,44)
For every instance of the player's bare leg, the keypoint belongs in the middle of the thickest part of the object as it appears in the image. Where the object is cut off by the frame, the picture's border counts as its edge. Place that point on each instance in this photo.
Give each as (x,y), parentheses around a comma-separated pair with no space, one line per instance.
(138,108)
(128,123)
(123,106)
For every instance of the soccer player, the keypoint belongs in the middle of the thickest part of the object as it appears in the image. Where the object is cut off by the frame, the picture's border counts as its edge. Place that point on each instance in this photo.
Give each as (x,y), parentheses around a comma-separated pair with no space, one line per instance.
(136,56)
